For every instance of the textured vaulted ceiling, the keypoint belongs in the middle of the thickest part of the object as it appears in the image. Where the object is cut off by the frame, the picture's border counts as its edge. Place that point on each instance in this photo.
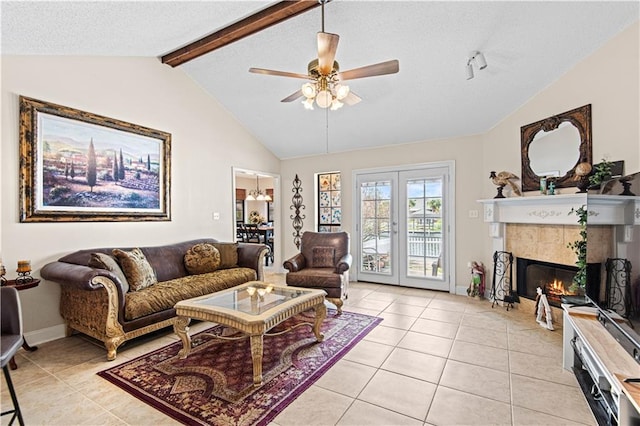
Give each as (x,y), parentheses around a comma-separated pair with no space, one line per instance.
(527,45)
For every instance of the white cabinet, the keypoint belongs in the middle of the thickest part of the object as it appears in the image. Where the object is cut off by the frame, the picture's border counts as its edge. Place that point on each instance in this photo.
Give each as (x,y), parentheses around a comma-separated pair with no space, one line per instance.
(601,366)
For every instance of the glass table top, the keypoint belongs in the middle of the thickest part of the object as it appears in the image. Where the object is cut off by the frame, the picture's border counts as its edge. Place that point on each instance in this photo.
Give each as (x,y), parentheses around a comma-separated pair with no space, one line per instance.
(252,298)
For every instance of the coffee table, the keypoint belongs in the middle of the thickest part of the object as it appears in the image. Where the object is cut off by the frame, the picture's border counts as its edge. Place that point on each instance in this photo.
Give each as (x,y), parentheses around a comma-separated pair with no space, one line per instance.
(252,308)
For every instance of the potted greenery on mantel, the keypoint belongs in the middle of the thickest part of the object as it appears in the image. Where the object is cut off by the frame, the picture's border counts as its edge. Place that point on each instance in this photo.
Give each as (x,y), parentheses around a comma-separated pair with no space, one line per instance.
(601,173)
(579,247)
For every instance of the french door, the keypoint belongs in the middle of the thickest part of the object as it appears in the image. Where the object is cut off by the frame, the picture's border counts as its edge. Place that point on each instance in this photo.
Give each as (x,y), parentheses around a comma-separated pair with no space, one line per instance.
(403,227)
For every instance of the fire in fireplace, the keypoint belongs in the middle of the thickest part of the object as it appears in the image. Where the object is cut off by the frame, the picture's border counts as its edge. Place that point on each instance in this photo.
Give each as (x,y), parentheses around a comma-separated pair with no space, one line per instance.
(554,279)
(557,289)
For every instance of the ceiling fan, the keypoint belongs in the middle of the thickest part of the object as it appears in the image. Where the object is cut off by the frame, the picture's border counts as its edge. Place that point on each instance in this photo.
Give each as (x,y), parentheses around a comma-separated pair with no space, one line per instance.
(325,79)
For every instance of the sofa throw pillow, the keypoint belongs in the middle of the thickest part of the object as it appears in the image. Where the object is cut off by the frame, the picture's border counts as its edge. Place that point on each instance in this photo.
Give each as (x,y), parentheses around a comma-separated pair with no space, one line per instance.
(136,268)
(201,259)
(323,257)
(228,254)
(104,261)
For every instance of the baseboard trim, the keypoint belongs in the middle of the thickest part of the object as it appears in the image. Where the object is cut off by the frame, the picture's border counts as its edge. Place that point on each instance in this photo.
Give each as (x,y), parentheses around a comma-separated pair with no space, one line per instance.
(45,335)
(461,290)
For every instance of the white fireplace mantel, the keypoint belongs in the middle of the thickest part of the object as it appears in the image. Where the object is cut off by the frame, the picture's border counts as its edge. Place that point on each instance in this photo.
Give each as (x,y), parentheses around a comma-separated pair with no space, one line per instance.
(620,212)
(556,209)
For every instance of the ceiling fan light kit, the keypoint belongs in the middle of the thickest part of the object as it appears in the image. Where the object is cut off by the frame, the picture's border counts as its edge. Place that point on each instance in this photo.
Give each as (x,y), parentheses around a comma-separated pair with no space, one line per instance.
(325,88)
(309,90)
(336,104)
(324,98)
(342,91)
(308,103)
(478,59)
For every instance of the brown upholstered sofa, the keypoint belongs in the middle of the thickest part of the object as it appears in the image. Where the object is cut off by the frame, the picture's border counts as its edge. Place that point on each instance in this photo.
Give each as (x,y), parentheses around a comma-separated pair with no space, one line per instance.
(96,302)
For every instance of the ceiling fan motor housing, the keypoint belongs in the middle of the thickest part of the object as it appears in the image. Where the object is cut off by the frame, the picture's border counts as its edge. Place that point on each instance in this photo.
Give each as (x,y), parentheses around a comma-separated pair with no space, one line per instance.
(312,68)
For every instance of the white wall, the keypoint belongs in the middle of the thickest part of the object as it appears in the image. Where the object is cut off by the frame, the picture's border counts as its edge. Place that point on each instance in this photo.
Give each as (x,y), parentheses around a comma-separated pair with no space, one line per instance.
(142,91)
(609,80)
(206,143)
(466,152)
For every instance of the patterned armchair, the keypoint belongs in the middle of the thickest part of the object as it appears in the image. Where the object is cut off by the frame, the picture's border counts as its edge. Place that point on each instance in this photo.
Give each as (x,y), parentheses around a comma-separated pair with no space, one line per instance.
(323,263)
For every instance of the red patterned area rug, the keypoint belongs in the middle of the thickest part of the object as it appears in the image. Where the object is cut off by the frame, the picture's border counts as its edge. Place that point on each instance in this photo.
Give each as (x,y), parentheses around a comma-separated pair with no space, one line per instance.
(214,384)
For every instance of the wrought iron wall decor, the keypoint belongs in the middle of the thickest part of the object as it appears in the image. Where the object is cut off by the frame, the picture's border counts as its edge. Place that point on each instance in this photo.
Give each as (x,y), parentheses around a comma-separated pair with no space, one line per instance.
(618,287)
(502,276)
(297,206)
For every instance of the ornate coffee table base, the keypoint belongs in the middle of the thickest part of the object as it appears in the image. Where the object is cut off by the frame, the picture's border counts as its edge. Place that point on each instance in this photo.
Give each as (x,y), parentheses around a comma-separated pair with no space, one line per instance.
(181,328)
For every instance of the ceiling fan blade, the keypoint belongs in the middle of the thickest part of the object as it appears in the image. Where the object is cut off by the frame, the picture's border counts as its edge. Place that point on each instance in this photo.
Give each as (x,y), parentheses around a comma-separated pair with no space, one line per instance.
(279,73)
(351,99)
(389,67)
(327,46)
(292,97)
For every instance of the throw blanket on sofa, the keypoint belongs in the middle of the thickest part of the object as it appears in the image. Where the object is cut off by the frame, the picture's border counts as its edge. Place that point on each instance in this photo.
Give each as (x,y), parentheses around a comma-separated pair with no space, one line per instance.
(166,294)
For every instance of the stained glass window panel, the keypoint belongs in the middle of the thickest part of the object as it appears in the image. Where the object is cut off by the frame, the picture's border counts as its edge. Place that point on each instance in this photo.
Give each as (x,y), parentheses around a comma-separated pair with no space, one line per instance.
(329,202)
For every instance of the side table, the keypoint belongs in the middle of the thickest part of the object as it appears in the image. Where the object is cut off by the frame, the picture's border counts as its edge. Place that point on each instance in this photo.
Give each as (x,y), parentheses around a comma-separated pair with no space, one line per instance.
(21,285)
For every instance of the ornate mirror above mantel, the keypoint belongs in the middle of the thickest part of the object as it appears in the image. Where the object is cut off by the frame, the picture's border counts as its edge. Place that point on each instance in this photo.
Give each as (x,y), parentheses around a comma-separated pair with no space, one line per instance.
(553,147)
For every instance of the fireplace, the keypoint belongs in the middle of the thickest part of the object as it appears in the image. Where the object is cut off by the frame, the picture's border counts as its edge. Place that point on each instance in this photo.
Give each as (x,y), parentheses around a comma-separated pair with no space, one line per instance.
(554,279)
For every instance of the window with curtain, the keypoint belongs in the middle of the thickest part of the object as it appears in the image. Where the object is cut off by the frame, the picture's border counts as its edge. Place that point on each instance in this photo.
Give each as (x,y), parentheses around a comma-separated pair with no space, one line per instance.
(329,202)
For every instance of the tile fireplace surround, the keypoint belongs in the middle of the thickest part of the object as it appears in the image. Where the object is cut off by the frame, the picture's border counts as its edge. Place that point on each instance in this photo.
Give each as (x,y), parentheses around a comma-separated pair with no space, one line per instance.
(540,227)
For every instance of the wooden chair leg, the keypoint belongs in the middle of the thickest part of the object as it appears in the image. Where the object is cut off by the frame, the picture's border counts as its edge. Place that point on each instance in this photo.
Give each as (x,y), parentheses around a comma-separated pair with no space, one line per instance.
(336,301)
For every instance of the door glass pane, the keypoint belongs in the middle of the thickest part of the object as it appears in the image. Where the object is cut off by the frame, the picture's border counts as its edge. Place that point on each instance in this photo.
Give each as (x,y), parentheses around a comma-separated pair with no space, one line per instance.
(368,192)
(424,228)
(368,209)
(376,226)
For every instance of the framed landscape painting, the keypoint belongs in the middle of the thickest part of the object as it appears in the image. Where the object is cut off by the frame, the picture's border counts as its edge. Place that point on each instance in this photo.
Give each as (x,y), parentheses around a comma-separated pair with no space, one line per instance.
(79,166)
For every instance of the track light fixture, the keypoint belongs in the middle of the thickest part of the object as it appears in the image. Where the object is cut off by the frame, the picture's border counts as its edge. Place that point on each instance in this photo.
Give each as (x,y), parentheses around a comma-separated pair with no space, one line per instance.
(469,70)
(478,59)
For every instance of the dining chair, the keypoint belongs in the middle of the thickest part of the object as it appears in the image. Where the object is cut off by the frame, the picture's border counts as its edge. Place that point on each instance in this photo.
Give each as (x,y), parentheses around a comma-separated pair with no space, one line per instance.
(269,242)
(240,231)
(10,342)
(252,235)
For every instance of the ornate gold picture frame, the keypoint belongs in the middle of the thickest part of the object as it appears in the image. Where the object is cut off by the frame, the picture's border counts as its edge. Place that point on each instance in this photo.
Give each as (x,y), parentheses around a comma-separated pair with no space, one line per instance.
(79,166)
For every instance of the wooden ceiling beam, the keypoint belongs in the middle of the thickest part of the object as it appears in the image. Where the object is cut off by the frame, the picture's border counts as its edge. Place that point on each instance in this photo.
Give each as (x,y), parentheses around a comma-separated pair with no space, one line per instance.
(259,21)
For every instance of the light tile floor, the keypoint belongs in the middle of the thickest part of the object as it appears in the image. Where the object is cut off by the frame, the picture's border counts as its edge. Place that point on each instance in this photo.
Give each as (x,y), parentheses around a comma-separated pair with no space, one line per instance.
(436,359)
